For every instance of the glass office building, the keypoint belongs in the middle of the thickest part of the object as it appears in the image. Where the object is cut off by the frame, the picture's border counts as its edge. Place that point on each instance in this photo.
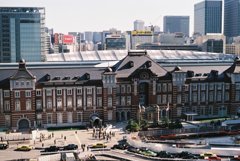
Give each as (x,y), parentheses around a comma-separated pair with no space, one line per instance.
(21,33)
(208,17)
(232,18)
(173,24)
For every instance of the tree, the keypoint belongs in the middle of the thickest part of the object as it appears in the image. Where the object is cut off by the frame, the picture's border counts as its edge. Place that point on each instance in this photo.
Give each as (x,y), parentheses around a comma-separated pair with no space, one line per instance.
(132,126)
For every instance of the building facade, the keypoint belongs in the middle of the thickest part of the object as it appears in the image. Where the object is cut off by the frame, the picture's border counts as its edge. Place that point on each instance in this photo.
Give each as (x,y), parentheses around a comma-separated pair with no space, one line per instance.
(231,18)
(134,88)
(173,24)
(208,17)
(139,25)
(140,37)
(22,33)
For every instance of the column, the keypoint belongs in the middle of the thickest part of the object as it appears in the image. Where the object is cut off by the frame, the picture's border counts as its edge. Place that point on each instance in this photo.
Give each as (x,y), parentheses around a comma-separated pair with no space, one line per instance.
(84,98)
(1,101)
(44,98)
(64,99)
(54,97)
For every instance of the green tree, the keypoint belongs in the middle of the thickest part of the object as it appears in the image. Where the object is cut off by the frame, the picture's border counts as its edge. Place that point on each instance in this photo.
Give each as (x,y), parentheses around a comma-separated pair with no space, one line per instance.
(132,126)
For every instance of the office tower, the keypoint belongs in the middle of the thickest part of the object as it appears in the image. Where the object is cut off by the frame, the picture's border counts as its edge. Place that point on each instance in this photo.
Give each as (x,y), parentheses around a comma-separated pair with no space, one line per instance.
(208,17)
(22,33)
(115,42)
(232,18)
(140,37)
(88,36)
(139,25)
(97,37)
(173,24)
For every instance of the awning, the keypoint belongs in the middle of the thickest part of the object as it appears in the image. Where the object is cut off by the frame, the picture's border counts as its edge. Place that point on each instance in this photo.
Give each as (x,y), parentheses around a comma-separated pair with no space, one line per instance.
(93,118)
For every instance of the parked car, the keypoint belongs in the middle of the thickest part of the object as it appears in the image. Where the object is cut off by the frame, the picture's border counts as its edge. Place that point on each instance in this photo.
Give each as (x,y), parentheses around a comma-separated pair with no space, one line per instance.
(23,148)
(70,147)
(133,149)
(3,146)
(214,158)
(164,154)
(119,146)
(186,155)
(51,149)
(237,157)
(98,145)
(207,155)
(147,152)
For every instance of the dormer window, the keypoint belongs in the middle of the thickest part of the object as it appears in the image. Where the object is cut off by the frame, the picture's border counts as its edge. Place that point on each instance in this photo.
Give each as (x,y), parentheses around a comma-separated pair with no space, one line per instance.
(131,64)
(16,83)
(149,64)
(22,83)
(28,83)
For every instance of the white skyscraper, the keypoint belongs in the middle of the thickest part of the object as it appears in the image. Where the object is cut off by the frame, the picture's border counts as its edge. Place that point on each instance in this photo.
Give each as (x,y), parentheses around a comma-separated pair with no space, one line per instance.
(139,25)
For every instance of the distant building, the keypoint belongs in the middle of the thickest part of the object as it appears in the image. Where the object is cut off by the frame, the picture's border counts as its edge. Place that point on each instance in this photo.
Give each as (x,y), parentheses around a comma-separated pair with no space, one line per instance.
(212,43)
(172,38)
(115,42)
(155,46)
(232,18)
(141,37)
(88,36)
(139,25)
(208,17)
(172,24)
(97,37)
(105,33)
(22,34)
(233,49)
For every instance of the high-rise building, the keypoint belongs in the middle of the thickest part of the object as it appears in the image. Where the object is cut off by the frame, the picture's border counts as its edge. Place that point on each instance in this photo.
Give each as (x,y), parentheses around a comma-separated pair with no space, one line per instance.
(97,37)
(172,24)
(88,36)
(140,37)
(232,18)
(115,42)
(208,17)
(139,25)
(22,33)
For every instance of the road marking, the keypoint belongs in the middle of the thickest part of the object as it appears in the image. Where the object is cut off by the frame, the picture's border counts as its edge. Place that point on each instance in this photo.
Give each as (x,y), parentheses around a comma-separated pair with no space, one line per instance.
(78,140)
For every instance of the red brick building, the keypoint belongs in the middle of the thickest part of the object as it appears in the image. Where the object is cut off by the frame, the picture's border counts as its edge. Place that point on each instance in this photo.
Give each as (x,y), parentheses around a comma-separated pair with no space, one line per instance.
(136,87)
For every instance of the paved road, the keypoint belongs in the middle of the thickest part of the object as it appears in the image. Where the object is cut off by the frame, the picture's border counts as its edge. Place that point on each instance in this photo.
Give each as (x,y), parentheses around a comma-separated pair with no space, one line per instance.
(72,137)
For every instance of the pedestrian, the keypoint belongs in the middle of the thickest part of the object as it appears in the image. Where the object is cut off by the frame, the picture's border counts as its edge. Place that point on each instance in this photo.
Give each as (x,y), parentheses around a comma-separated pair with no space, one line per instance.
(61,135)
(7,142)
(52,134)
(88,148)
(54,141)
(75,132)
(65,138)
(42,145)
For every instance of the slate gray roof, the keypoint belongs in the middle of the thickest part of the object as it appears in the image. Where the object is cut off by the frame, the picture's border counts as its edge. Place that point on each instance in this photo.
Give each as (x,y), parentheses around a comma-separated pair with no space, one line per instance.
(95,73)
(123,70)
(235,67)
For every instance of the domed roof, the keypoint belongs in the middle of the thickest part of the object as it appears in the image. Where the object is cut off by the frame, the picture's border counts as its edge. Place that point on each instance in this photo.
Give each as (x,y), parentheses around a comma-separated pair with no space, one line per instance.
(108,69)
(22,61)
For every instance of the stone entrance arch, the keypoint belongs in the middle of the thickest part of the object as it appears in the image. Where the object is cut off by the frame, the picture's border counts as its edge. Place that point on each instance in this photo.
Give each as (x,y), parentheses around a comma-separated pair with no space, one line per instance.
(95,121)
(23,124)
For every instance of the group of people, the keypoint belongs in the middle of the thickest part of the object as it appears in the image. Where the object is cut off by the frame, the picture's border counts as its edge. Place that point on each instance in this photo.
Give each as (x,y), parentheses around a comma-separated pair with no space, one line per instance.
(100,133)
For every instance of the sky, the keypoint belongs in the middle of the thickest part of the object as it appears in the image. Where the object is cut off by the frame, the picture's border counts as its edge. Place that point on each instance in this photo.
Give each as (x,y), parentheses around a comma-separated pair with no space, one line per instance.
(97,15)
